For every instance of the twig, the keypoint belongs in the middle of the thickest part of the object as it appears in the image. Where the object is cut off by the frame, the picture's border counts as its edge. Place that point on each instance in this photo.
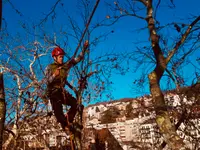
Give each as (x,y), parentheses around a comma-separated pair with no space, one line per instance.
(87,25)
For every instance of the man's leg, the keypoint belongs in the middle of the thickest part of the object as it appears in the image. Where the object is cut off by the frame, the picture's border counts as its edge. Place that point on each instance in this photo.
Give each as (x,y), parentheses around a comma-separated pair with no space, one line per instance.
(56,102)
(72,102)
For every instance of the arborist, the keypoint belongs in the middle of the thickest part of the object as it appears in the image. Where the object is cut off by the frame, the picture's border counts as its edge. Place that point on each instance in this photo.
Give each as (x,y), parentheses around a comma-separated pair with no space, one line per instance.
(56,74)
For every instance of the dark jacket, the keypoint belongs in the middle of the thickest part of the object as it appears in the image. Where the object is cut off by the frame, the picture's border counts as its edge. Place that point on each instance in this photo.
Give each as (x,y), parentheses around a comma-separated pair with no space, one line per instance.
(58,81)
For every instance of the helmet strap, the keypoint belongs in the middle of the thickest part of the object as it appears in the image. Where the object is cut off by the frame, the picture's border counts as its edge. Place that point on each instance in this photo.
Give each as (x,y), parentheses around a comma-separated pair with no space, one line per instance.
(55,59)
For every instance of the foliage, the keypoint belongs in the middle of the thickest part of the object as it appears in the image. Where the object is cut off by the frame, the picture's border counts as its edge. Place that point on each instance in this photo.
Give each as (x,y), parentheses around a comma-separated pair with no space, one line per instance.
(130,113)
(110,115)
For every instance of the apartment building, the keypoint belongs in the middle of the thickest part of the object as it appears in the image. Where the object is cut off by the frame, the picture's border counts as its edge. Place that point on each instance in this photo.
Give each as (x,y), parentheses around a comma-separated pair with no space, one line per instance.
(139,126)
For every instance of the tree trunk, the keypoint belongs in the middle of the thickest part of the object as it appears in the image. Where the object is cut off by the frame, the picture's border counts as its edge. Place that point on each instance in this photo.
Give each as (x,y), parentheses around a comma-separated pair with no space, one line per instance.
(2,109)
(166,128)
(78,126)
(0,13)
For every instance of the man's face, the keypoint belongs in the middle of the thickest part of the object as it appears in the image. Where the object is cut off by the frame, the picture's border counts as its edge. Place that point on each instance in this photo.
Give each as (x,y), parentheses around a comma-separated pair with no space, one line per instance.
(59,59)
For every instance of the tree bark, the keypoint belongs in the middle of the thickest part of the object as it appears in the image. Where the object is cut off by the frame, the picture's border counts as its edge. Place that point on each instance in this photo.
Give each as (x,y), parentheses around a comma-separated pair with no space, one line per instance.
(0,13)
(78,124)
(2,109)
(166,128)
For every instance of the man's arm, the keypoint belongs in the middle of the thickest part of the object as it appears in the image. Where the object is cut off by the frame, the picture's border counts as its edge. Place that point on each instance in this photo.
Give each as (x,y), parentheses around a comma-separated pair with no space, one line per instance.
(73,61)
(49,75)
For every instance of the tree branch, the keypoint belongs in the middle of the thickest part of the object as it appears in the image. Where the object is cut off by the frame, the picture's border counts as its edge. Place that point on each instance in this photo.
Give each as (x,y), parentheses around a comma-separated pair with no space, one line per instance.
(52,10)
(182,40)
(86,27)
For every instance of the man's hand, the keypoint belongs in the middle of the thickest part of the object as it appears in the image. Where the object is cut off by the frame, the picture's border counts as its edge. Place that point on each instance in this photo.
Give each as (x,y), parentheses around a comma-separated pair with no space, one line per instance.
(86,44)
(57,72)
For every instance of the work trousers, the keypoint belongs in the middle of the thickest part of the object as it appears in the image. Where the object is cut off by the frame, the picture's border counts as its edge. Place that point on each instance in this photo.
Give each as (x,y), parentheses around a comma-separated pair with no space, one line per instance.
(59,97)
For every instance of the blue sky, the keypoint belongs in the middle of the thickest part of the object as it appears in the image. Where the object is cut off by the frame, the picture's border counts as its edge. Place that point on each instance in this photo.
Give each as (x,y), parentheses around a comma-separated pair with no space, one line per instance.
(122,39)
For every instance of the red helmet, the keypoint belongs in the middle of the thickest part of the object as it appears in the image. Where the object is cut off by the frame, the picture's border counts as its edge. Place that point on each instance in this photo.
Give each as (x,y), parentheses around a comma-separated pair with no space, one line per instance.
(57,51)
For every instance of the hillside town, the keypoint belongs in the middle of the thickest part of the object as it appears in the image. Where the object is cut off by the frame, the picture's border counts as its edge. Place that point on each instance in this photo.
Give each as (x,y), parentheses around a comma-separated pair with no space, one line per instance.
(127,124)
(133,125)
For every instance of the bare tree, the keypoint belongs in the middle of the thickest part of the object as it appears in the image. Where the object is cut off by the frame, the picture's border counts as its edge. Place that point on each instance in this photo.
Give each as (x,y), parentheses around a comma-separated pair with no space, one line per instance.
(24,61)
(160,55)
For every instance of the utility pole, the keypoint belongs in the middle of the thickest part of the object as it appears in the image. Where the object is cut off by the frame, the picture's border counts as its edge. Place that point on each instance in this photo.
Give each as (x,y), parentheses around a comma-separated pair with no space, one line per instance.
(2,109)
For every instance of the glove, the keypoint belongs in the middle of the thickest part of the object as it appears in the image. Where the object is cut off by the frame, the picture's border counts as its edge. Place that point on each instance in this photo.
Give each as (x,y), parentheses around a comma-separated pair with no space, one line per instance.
(86,44)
